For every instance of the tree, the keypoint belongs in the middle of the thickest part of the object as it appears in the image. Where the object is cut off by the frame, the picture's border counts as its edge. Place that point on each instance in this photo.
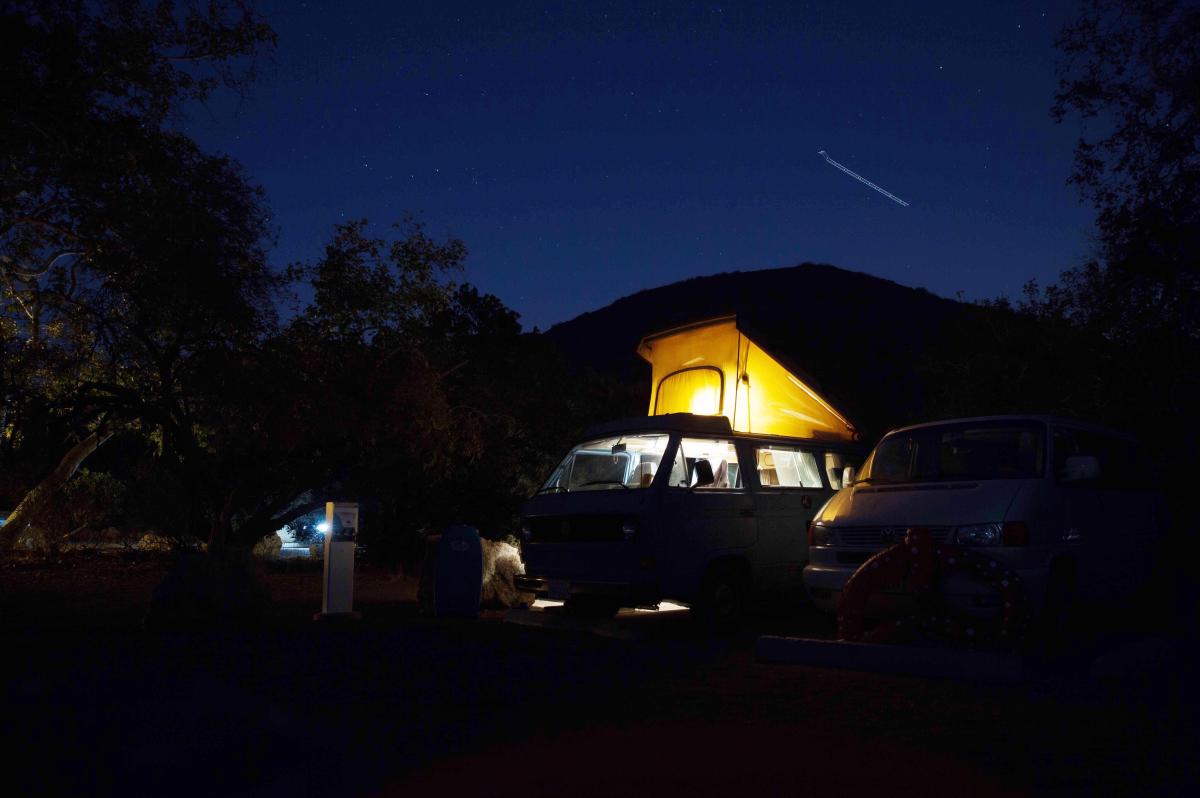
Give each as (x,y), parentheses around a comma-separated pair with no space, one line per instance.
(347,394)
(384,386)
(397,385)
(128,258)
(1131,73)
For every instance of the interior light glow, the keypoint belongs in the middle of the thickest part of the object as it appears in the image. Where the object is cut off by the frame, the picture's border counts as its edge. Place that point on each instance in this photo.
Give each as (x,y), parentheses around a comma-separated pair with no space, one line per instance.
(664,606)
(699,368)
(323,527)
(705,402)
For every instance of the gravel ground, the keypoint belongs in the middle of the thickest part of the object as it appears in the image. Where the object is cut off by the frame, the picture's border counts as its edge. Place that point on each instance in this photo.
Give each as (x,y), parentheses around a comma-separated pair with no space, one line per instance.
(406,705)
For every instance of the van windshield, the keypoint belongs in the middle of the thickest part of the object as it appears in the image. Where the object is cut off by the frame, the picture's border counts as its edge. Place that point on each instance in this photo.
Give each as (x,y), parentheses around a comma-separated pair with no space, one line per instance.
(627,462)
(972,451)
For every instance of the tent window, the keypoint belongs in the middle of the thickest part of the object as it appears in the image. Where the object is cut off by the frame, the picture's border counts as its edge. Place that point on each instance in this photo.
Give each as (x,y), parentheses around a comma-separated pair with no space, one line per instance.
(697,390)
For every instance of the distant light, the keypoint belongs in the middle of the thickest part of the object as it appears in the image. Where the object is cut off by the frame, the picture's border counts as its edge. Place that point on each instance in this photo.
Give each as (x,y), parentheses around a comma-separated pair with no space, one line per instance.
(323,527)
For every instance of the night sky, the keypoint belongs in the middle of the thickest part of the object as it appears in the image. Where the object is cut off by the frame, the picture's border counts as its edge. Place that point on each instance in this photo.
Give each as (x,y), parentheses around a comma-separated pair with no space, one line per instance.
(584,151)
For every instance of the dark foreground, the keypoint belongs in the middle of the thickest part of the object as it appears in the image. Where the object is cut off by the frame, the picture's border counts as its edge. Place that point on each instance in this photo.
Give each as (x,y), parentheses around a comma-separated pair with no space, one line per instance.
(405,705)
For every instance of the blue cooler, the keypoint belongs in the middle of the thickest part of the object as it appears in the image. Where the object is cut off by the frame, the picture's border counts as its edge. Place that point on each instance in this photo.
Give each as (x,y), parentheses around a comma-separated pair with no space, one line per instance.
(458,586)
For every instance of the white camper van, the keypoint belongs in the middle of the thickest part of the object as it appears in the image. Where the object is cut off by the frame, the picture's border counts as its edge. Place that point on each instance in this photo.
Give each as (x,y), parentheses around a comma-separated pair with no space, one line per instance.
(1071,507)
(703,501)
(677,507)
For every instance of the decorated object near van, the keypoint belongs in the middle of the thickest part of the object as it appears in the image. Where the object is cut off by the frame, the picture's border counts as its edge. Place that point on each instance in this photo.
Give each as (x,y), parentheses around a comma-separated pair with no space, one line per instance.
(714,368)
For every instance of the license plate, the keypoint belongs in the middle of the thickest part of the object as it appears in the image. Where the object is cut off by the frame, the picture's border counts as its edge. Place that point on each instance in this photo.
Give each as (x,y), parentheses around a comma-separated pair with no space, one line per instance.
(559,589)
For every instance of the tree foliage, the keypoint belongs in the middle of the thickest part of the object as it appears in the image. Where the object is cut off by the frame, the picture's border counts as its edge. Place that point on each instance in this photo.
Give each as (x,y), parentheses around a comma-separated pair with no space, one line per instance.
(1131,73)
(397,385)
(137,304)
(127,256)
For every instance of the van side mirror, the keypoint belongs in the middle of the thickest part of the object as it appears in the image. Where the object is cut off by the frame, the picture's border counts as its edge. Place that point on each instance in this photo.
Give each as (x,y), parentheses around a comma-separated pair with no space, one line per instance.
(848,476)
(1080,467)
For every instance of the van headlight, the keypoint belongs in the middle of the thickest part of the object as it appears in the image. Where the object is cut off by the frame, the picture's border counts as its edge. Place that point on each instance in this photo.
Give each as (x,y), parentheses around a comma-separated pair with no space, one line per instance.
(980,535)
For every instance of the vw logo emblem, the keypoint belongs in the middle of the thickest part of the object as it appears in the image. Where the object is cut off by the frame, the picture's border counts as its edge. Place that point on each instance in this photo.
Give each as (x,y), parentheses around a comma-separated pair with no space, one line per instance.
(892,534)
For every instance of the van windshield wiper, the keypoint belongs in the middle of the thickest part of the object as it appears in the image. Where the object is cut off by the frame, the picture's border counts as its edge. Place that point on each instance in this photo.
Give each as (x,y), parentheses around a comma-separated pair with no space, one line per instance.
(558,488)
(606,482)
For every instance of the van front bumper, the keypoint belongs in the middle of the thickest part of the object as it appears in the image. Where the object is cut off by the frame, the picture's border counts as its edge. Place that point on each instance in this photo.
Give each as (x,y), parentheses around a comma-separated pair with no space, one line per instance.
(623,593)
(963,595)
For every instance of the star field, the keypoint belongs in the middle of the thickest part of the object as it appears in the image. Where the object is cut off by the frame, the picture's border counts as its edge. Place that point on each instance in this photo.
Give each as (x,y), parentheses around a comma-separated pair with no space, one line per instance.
(585,151)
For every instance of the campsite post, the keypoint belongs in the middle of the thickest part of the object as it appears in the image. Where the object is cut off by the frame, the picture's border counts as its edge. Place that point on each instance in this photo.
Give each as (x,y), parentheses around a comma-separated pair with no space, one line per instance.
(337,598)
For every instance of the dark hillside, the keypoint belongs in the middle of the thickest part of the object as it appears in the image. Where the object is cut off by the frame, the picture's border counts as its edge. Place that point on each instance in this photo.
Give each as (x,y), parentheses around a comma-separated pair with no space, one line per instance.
(862,340)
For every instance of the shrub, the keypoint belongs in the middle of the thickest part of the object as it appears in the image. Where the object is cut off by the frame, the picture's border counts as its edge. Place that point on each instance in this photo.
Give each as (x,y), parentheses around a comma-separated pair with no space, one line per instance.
(268,548)
(155,543)
(152,542)
(501,564)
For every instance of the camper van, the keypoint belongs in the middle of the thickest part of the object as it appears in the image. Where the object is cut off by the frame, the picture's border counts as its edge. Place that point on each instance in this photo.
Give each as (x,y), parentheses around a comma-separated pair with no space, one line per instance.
(705,500)
(1072,508)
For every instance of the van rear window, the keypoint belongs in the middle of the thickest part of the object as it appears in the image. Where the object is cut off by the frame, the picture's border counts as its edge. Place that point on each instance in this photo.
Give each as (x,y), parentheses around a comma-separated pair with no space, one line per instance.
(988,450)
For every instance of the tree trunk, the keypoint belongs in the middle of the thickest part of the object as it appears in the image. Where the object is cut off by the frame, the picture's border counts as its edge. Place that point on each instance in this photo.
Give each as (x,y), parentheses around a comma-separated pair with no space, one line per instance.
(26,514)
(218,535)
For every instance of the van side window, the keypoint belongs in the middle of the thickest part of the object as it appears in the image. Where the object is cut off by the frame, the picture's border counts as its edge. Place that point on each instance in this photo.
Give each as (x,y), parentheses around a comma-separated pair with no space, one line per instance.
(706,464)
(1123,464)
(679,471)
(835,466)
(784,467)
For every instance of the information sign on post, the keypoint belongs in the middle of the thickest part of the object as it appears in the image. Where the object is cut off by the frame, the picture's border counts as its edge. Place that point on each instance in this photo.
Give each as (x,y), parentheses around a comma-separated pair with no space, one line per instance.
(341,525)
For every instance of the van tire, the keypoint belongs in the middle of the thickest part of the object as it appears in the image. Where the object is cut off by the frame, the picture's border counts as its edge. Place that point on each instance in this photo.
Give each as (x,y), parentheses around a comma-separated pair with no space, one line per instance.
(722,602)
(1058,624)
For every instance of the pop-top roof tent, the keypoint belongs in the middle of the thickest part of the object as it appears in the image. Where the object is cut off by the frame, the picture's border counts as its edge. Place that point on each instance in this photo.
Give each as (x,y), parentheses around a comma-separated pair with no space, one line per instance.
(713,368)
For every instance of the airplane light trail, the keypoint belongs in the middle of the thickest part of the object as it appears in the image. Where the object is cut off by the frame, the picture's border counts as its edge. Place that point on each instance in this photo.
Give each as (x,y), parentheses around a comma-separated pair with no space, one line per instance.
(861,179)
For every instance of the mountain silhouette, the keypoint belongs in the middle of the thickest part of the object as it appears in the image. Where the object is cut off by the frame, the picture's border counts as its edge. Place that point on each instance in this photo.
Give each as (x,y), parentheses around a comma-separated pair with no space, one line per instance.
(862,341)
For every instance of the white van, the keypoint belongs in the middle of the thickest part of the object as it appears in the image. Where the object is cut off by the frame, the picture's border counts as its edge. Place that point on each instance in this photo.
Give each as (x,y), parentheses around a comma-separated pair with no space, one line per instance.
(1071,507)
(679,507)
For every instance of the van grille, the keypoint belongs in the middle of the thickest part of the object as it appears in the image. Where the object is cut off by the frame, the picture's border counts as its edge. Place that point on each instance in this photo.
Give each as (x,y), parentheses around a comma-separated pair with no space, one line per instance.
(880,537)
(575,529)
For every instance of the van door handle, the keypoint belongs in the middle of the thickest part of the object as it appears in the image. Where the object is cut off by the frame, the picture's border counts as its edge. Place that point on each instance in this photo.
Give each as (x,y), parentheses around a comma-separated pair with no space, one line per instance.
(746,512)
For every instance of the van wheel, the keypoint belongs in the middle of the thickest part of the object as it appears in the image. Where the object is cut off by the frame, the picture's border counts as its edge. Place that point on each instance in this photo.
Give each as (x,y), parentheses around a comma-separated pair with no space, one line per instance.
(722,601)
(1058,624)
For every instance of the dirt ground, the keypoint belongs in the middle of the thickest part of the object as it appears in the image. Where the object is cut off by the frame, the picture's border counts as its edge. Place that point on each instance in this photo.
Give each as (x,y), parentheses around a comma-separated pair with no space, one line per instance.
(400,704)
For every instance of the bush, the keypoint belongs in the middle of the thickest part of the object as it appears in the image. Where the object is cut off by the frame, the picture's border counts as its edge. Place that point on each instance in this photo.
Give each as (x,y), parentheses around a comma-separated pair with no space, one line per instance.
(162,544)
(155,543)
(268,548)
(501,564)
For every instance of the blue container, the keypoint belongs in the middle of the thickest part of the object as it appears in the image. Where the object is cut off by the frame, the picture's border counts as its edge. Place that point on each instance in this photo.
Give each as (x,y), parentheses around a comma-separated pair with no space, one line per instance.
(458,586)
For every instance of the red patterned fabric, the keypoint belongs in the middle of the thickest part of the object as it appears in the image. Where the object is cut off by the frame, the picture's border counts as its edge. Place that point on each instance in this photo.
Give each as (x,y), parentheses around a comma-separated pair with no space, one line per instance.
(919,561)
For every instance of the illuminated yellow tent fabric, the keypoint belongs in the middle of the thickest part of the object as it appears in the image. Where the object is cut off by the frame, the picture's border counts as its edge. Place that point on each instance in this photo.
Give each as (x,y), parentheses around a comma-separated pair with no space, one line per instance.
(713,368)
